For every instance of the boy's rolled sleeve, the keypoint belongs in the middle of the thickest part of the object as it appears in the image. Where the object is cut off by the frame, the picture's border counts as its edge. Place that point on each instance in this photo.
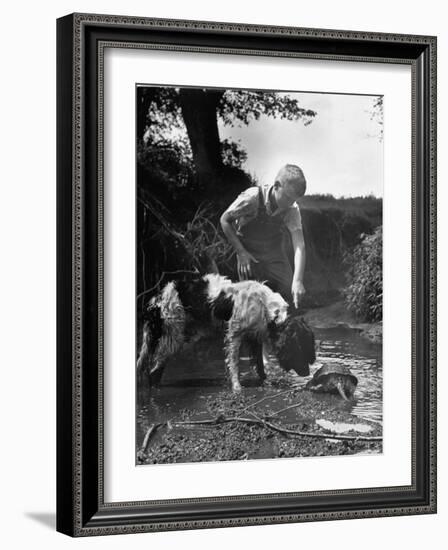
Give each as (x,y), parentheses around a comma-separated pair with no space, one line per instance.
(245,206)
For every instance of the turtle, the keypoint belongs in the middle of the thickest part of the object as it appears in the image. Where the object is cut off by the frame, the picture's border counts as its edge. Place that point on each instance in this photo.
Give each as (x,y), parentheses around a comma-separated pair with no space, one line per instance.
(334,379)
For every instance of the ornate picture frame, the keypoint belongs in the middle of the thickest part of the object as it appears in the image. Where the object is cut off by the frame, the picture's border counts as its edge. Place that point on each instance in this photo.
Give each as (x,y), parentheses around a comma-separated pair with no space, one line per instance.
(81,506)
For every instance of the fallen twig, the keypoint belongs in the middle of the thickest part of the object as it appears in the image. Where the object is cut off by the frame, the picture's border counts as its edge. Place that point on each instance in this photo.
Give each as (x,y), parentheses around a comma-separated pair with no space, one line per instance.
(269,397)
(150,432)
(286,409)
(257,420)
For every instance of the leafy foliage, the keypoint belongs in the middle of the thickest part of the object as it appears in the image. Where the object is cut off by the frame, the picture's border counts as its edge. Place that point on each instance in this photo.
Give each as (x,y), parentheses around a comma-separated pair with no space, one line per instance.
(364,292)
(245,106)
(377,114)
(160,116)
(159,107)
(169,161)
(158,110)
(233,154)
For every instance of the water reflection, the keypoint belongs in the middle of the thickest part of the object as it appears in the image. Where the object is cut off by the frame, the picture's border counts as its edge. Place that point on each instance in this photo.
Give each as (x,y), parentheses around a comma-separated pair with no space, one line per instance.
(347,347)
(198,373)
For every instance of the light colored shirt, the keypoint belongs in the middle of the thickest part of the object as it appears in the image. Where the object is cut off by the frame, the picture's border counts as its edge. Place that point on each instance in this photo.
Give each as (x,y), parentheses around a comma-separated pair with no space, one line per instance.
(245,208)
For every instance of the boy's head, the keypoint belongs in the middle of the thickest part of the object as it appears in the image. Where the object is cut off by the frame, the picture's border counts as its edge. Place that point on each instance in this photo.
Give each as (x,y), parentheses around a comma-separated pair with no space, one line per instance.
(289,186)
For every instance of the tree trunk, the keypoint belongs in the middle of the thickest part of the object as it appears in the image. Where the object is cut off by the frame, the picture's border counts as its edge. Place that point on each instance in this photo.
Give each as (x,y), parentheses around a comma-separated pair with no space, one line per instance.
(200,117)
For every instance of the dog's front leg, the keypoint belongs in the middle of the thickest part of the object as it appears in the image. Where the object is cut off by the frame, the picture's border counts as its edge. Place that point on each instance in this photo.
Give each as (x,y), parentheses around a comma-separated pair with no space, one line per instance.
(155,374)
(167,345)
(256,348)
(144,355)
(232,351)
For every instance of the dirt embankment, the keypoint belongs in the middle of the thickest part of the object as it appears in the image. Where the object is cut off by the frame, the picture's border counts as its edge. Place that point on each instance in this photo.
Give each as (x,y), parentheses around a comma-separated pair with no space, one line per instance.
(332,228)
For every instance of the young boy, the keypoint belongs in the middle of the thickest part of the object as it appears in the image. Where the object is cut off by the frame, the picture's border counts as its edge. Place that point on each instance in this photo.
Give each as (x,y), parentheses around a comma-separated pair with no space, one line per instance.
(255,224)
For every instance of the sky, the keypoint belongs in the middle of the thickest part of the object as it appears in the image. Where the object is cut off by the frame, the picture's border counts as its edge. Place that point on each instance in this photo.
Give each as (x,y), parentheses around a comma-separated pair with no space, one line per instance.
(340,152)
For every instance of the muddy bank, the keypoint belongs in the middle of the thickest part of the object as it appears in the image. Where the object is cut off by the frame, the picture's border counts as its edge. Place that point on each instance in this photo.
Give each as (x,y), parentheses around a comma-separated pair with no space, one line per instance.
(337,315)
(199,419)
(259,428)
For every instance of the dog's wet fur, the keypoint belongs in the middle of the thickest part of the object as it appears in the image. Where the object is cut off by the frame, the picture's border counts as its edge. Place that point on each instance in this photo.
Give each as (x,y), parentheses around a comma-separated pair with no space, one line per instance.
(252,312)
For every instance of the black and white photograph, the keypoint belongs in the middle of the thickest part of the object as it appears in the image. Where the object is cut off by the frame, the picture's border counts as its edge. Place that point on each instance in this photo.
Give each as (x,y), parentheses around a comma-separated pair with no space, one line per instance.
(258,274)
(226,235)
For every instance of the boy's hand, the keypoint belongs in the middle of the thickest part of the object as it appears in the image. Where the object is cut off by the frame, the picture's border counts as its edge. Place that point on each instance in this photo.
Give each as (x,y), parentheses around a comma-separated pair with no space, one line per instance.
(297,291)
(243,263)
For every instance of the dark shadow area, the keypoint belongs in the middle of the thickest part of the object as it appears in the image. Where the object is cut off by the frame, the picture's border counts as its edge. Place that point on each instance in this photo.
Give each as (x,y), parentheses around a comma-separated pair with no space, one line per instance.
(48,519)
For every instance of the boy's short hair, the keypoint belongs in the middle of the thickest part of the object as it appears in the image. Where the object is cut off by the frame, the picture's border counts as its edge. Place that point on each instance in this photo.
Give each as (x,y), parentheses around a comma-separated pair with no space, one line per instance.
(292,174)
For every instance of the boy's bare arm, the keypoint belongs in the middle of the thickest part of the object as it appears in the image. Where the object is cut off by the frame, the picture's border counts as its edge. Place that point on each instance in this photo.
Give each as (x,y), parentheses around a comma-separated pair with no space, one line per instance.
(230,233)
(243,256)
(298,245)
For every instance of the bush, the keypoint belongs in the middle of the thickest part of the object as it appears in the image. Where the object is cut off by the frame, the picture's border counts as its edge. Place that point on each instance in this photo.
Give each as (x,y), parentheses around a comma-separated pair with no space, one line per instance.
(364,291)
(204,239)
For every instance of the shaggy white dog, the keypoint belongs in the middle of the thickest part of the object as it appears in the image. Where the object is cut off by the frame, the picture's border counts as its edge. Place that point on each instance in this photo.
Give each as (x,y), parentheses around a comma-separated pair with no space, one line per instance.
(250,309)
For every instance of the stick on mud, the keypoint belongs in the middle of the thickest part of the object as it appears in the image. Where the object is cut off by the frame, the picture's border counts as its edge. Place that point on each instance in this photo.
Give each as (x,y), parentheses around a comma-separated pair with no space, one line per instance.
(257,420)
(150,432)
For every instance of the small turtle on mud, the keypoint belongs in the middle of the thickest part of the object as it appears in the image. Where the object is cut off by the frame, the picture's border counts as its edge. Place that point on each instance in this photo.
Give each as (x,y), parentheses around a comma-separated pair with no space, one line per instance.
(334,379)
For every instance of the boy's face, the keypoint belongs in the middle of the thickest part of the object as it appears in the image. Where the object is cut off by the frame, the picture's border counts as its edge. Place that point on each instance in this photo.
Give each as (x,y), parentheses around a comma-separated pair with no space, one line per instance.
(289,192)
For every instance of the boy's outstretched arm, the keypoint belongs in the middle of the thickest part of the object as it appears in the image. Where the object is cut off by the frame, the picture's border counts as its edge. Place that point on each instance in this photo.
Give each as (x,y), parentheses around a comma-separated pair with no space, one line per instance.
(298,245)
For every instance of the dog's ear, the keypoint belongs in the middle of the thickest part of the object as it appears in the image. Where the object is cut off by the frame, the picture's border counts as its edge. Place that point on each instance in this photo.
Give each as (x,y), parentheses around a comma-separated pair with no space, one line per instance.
(273,331)
(294,343)
(192,290)
(310,346)
(308,341)
(302,365)
(222,306)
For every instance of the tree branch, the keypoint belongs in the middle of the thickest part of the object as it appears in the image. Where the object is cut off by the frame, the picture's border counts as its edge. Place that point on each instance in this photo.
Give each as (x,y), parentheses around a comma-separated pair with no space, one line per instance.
(286,431)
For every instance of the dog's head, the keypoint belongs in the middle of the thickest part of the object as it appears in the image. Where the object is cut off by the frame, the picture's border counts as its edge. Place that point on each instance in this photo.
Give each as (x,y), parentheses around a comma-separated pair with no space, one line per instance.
(294,344)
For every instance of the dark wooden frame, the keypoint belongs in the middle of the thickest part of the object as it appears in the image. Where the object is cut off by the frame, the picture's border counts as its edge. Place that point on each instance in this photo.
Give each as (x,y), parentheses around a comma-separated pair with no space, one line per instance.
(81,38)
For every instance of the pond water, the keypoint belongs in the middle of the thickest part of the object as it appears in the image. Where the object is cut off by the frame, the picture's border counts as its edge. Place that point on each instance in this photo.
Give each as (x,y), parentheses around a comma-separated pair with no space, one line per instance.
(198,374)
(346,346)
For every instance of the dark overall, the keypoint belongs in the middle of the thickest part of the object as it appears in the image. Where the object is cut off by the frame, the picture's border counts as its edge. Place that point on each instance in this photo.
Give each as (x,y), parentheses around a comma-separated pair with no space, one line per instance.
(264,238)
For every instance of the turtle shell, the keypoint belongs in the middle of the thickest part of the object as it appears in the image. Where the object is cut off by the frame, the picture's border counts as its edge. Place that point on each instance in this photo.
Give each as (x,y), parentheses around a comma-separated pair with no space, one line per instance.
(329,370)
